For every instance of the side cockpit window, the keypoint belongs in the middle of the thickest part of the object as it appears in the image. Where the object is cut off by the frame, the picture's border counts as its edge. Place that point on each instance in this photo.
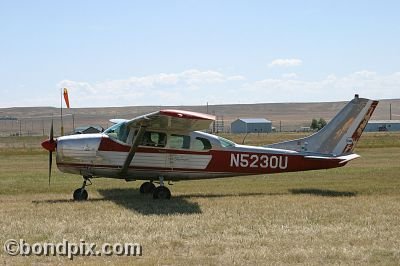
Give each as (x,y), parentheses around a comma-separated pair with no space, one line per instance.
(154,139)
(121,132)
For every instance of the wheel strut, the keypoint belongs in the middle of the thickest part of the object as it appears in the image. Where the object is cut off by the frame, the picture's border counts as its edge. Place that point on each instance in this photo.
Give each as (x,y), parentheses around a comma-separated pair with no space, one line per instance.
(85,180)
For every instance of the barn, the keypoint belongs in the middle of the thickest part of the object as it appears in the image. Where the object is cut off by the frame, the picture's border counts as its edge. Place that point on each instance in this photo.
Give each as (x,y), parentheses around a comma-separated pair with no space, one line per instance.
(88,130)
(251,125)
(383,125)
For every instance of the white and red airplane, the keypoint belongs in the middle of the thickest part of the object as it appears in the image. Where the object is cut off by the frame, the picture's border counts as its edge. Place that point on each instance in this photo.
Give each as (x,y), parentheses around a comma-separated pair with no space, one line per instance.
(167,146)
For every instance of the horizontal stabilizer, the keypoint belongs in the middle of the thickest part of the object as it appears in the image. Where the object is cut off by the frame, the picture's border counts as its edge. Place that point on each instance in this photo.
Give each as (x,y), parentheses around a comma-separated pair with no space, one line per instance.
(349,157)
(342,159)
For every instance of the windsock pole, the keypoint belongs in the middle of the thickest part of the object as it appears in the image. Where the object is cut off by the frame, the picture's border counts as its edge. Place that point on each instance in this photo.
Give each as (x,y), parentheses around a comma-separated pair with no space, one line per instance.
(61,103)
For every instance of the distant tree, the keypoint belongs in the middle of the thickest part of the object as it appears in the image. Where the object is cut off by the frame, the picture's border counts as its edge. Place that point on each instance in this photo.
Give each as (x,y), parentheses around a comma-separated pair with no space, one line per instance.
(314,124)
(317,124)
(321,123)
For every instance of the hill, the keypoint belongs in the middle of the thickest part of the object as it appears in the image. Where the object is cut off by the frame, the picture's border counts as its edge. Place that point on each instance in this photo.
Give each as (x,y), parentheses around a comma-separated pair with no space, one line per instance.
(36,120)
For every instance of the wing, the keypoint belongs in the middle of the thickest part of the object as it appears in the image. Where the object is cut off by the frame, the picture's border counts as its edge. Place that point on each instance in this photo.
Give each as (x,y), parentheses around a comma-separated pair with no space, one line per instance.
(117,120)
(173,120)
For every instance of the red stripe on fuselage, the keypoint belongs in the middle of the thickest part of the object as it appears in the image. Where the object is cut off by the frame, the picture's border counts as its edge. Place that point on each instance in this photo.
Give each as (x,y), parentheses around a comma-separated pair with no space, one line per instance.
(265,163)
(107,144)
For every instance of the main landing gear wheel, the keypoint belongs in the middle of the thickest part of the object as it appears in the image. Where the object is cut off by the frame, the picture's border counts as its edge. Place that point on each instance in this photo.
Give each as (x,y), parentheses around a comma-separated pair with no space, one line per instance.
(80,194)
(147,188)
(161,192)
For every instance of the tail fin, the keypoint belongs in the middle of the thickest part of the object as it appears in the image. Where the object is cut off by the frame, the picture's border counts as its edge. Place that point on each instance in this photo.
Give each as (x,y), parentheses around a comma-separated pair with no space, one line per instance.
(340,135)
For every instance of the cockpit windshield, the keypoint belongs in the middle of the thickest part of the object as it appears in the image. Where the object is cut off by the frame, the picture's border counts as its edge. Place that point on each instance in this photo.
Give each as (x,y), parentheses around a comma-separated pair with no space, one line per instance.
(118,131)
(226,143)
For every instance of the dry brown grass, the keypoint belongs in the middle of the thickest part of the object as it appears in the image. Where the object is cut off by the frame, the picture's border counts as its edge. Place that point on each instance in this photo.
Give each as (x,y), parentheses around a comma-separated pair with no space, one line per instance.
(339,216)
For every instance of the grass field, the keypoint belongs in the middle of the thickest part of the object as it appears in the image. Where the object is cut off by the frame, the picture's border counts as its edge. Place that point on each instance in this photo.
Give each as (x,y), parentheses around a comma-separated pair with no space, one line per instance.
(348,215)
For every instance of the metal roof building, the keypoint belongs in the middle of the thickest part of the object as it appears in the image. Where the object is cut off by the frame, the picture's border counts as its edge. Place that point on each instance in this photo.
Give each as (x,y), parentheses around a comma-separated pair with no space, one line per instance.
(383,125)
(88,130)
(251,125)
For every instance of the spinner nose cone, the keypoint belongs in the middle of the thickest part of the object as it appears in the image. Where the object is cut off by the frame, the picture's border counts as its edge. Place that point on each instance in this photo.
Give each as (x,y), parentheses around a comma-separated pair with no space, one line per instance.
(49,145)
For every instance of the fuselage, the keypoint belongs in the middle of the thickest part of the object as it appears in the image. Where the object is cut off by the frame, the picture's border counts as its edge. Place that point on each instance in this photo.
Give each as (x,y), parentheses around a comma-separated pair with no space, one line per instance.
(175,156)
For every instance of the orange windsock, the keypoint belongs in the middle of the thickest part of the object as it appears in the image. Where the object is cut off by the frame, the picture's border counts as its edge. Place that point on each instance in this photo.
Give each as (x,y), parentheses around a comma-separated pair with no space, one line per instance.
(66,97)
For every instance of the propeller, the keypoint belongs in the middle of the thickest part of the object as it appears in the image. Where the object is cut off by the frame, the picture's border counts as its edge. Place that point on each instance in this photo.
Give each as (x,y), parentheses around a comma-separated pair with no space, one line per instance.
(50,145)
(51,152)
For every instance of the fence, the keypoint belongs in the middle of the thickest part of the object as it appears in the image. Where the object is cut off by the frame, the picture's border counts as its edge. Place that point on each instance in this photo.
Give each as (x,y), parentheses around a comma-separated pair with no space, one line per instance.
(40,126)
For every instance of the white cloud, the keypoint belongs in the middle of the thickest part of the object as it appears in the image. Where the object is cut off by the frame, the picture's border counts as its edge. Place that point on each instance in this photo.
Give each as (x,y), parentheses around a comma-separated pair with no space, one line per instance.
(331,88)
(237,78)
(289,75)
(195,87)
(290,62)
(188,87)
(365,74)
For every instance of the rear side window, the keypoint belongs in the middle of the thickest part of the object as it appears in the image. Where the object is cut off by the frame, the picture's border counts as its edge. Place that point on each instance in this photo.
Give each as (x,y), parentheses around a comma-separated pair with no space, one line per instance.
(179,141)
(201,144)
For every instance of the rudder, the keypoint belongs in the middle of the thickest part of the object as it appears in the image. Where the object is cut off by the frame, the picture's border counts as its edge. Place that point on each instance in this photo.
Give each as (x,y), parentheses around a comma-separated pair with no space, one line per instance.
(340,135)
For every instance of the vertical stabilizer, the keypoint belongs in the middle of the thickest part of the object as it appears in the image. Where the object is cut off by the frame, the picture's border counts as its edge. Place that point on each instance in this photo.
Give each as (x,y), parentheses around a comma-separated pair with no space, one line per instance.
(340,135)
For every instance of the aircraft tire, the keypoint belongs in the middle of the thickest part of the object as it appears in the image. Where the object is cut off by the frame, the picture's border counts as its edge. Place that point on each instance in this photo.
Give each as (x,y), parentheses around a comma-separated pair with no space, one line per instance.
(80,194)
(161,192)
(147,187)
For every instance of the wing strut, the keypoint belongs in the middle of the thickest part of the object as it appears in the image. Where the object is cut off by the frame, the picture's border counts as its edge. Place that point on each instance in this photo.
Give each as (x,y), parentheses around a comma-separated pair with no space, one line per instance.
(138,139)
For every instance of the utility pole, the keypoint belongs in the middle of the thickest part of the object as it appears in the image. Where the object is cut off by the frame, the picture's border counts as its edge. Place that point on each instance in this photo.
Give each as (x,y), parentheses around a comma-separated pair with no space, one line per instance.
(73,123)
(390,111)
(62,126)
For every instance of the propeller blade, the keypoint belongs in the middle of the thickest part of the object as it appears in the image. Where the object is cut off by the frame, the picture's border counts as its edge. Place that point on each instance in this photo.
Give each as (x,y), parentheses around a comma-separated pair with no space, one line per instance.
(51,132)
(51,146)
(50,152)
(50,164)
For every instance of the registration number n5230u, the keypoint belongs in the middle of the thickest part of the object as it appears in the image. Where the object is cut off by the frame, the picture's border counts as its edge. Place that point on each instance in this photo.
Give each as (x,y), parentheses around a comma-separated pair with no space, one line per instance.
(258,161)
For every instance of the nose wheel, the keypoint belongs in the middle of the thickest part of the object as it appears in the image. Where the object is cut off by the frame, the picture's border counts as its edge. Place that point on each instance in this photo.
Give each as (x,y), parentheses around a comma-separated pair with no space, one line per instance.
(81,194)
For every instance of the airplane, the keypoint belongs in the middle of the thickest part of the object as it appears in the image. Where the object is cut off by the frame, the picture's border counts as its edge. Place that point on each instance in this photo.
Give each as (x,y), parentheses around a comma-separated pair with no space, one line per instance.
(167,145)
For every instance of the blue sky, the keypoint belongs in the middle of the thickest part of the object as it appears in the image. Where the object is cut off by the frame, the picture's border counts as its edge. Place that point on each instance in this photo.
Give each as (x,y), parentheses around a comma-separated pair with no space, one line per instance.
(121,53)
